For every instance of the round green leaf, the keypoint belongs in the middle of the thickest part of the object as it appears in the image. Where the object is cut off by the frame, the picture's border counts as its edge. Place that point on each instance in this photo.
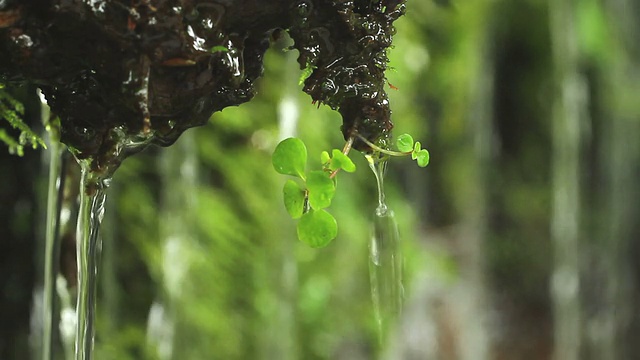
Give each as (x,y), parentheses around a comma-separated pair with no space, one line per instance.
(321,189)
(423,158)
(342,161)
(324,157)
(405,143)
(317,228)
(290,157)
(293,198)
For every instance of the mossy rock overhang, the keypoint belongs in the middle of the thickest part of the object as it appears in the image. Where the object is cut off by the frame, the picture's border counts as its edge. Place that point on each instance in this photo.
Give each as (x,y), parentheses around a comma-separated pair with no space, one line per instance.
(122,74)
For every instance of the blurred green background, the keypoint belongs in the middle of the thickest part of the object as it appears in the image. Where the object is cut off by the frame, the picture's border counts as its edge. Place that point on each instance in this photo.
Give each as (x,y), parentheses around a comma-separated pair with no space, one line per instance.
(520,238)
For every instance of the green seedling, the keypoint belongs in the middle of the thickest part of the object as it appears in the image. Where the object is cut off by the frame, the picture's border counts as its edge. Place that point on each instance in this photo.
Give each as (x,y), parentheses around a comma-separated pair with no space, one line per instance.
(406,147)
(308,195)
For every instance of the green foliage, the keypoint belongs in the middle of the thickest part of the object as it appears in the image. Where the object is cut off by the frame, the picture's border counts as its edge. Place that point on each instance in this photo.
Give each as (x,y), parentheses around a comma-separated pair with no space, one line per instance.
(341,161)
(294,198)
(407,146)
(405,143)
(316,227)
(218,48)
(321,189)
(420,155)
(306,72)
(13,111)
(290,158)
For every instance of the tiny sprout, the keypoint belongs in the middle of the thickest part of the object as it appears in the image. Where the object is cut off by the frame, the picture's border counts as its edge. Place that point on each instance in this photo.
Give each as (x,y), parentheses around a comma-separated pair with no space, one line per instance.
(406,145)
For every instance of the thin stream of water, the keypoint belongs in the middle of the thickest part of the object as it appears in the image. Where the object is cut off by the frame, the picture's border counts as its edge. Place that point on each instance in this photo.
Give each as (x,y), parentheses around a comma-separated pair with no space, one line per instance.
(385,265)
(92,199)
(55,194)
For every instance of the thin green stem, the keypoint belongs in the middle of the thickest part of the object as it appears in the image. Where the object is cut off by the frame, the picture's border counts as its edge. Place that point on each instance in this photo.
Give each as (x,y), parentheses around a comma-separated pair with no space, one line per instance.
(379,149)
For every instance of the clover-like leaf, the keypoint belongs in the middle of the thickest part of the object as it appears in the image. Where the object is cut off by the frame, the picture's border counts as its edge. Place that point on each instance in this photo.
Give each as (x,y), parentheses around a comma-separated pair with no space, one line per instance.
(293,198)
(290,157)
(422,157)
(321,189)
(405,143)
(317,228)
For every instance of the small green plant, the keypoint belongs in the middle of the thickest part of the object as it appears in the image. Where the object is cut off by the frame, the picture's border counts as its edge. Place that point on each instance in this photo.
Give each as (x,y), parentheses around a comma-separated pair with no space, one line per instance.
(308,195)
(13,111)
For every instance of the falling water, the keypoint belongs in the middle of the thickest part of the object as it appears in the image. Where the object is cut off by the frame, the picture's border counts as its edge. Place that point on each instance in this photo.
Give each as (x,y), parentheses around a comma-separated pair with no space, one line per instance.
(92,199)
(385,266)
(52,245)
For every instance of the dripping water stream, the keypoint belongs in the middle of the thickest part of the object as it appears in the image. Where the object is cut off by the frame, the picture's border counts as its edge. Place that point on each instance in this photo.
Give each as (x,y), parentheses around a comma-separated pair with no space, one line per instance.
(55,189)
(385,257)
(92,199)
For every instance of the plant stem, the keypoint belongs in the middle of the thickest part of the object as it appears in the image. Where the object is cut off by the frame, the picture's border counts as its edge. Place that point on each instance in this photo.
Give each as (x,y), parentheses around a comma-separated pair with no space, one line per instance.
(379,149)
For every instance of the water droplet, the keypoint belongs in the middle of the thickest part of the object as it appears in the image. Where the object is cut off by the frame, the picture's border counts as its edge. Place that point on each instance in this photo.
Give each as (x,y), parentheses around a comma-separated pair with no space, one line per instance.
(304,9)
(378,164)
(23,41)
(329,87)
(85,132)
(198,42)
(210,15)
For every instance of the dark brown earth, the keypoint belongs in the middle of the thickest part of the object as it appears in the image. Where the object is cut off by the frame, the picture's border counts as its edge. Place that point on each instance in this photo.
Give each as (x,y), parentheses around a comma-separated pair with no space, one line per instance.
(123,74)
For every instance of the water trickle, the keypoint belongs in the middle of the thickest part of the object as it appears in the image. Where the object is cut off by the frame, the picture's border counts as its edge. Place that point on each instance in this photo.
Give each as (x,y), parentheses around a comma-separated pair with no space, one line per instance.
(379,166)
(385,266)
(92,199)
(52,245)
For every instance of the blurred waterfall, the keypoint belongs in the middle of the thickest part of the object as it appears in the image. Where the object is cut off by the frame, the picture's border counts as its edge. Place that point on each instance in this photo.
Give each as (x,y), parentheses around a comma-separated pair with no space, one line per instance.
(474,342)
(568,114)
(475,339)
(280,340)
(618,319)
(179,168)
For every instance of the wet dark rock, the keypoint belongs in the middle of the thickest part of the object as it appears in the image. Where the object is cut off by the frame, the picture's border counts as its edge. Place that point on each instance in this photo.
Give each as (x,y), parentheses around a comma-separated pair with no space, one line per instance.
(123,74)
